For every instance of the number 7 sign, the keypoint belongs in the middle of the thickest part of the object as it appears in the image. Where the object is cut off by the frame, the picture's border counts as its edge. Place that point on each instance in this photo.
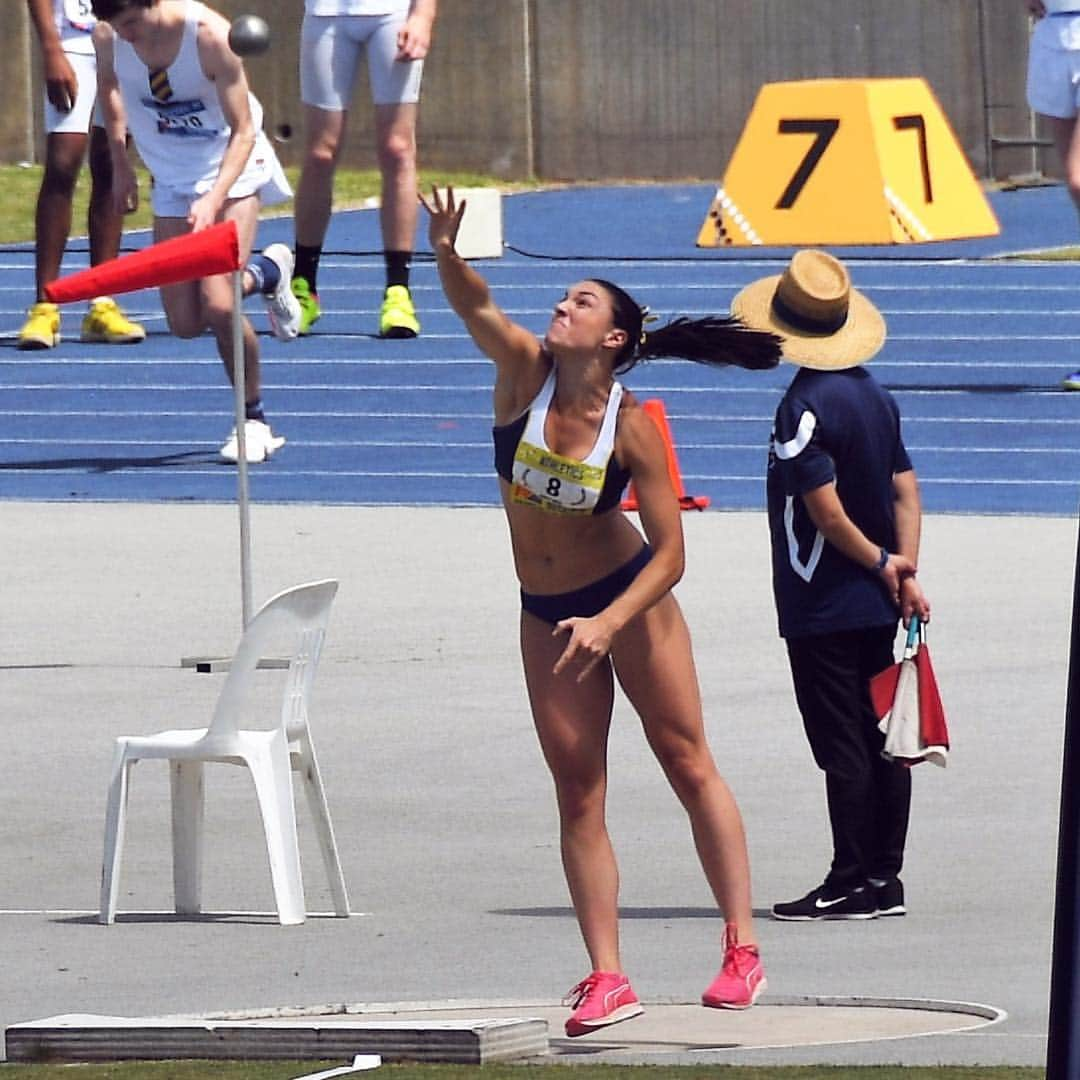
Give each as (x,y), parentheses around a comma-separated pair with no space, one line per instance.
(847,161)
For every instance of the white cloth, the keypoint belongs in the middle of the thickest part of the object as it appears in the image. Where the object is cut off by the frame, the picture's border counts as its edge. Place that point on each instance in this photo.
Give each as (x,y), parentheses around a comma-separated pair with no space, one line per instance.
(902,723)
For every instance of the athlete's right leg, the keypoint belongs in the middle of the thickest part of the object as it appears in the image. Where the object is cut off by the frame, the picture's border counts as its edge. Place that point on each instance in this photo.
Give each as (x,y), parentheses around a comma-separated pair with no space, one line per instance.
(324,136)
(330,49)
(64,153)
(191,307)
(572,721)
(217,301)
(182,301)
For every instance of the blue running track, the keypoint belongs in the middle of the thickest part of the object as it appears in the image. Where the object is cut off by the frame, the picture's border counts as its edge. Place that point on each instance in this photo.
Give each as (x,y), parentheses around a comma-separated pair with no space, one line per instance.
(977,349)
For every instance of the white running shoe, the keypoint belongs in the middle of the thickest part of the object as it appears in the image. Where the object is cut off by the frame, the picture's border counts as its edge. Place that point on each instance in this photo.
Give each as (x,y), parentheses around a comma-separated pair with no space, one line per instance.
(282,307)
(259,443)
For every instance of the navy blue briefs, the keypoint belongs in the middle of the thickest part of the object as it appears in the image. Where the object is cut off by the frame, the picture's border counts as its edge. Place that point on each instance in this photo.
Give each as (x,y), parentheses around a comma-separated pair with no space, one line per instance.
(590,599)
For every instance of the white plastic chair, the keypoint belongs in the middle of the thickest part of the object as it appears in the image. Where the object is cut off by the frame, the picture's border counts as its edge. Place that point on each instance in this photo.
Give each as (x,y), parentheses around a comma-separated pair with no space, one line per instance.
(300,615)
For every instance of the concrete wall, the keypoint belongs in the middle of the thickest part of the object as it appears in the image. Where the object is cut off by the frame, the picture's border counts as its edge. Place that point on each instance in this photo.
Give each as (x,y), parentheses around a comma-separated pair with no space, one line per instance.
(18,74)
(649,89)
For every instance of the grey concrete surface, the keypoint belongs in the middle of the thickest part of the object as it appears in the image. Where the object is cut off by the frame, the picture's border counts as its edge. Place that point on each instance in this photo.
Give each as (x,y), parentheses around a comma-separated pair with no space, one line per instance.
(441,801)
(477,1032)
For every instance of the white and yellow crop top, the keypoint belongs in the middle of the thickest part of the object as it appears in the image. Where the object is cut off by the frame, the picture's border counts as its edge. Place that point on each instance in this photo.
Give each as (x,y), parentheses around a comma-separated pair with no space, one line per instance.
(539,477)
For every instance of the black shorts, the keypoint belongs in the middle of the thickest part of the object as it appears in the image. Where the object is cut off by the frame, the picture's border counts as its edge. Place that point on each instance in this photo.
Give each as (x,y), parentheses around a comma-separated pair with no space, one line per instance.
(590,599)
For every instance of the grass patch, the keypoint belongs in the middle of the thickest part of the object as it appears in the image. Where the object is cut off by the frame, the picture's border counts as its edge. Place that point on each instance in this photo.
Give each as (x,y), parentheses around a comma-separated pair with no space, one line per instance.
(1065,254)
(285,1070)
(352,189)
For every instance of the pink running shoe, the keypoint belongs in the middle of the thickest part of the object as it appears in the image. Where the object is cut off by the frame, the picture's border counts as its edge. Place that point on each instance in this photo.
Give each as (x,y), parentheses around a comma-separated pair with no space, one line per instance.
(605,997)
(741,979)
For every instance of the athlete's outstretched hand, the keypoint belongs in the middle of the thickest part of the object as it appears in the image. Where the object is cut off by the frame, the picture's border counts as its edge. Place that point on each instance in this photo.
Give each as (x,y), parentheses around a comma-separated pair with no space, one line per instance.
(445,218)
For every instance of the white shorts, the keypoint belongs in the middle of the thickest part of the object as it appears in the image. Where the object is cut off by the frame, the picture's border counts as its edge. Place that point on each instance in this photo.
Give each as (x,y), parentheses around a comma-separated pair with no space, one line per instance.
(263,176)
(78,118)
(330,47)
(1053,78)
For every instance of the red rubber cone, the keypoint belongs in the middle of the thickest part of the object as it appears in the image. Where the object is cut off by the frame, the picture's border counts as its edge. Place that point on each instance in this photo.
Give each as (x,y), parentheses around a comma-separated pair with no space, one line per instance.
(183,258)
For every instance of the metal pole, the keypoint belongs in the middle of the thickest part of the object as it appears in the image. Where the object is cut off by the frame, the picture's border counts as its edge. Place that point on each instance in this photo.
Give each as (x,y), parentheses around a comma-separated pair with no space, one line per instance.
(984,77)
(30,87)
(528,74)
(1063,1047)
(240,395)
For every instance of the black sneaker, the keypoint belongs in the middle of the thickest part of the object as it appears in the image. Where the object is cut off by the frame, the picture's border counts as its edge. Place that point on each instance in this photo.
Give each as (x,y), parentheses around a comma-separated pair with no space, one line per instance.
(829,902)
(889,896)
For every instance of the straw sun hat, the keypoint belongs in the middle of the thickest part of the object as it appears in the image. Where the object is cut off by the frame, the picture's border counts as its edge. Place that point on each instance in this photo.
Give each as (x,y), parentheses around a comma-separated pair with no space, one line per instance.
(824,322)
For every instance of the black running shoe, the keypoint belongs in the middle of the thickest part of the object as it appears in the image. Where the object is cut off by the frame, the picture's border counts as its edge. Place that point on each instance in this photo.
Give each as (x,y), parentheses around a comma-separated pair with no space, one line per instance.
(890,897)
(829,902)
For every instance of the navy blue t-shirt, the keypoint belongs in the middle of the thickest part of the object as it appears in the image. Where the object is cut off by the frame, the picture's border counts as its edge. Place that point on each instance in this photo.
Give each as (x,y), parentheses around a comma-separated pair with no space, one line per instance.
(842,427)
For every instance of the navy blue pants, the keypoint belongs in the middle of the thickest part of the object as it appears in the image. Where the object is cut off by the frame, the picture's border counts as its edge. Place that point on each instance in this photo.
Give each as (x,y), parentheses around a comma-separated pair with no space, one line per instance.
(869,798)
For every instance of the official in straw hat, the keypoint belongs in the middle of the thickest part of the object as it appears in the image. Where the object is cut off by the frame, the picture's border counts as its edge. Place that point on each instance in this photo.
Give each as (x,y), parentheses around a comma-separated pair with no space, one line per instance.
(844,518)
(825,323)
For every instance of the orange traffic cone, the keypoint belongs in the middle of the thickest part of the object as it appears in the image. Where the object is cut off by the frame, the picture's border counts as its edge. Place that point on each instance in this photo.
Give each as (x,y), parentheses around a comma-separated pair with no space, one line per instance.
(215,250)
(655,408)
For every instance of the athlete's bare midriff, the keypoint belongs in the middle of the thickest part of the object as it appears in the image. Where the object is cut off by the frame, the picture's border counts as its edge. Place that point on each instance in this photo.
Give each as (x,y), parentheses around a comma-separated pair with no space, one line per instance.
(555,553)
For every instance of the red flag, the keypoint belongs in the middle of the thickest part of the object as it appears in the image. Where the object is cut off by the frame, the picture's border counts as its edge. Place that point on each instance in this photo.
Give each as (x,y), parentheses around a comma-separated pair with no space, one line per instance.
(907,702)
(932,727)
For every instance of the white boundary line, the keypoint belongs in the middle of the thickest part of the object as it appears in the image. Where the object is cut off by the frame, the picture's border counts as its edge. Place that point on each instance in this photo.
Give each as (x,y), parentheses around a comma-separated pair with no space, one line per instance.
(200,917)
